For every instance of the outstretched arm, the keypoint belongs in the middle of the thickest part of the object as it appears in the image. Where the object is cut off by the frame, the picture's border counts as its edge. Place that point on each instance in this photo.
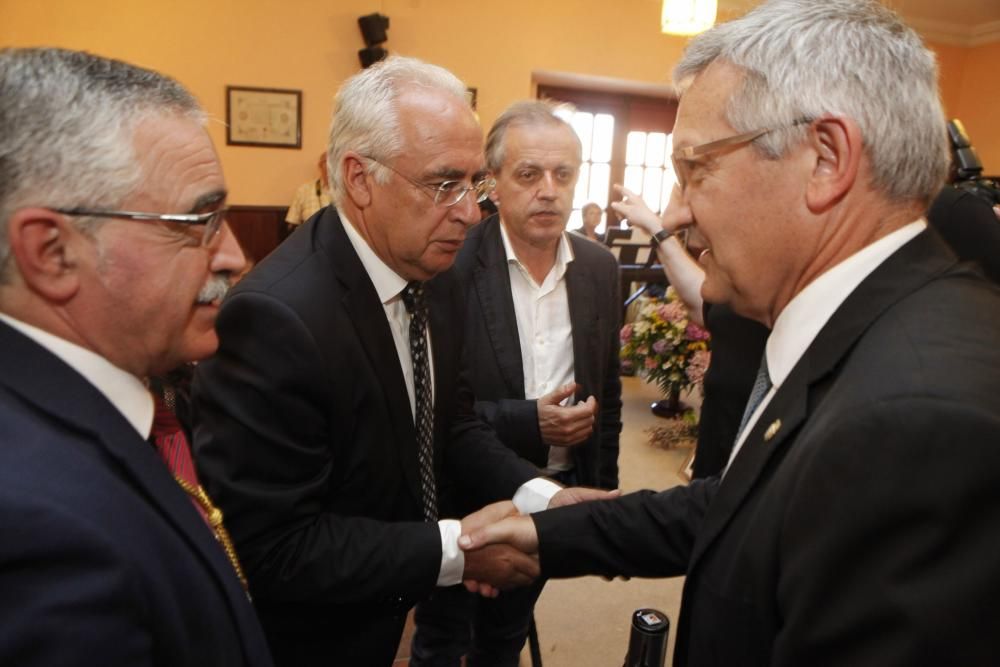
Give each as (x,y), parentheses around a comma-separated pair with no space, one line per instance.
(682,270)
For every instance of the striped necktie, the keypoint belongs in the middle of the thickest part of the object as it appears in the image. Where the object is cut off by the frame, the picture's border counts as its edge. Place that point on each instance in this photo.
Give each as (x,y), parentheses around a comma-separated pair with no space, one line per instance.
(761,385)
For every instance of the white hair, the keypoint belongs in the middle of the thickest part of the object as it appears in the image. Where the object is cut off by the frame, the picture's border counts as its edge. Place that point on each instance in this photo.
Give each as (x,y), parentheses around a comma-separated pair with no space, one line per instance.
(67,122)
(805,59)
(365,114)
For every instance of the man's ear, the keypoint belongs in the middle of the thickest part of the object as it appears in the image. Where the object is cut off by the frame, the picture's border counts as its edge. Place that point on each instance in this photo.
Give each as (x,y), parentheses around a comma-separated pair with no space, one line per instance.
(354,175)
(43,245)
(838,149)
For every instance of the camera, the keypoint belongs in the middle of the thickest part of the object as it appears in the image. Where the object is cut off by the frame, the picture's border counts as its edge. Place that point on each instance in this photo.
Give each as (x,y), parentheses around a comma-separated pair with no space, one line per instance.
(966,169)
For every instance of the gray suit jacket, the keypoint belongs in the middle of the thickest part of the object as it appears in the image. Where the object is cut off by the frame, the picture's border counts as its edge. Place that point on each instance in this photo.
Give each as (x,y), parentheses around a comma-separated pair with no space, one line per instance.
(492,356)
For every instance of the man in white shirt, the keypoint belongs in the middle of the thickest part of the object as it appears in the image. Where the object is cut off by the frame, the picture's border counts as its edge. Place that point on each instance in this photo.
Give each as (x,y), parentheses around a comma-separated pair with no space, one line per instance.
(333,427)
(541,355)
(114,256)
(852,524)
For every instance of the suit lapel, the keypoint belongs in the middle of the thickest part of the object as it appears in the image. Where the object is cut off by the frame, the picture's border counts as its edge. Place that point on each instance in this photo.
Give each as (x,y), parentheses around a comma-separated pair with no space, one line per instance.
(491,279)
(65,396)
(909,268)
(584,316)
(374,335)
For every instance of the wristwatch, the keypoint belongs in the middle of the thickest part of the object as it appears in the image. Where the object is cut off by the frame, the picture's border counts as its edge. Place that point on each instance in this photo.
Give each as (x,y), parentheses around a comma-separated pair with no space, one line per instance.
(659,237)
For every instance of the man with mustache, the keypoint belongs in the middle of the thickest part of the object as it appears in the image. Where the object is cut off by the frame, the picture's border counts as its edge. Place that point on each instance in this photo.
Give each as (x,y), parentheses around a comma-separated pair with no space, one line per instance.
(542,347)
(114,255)
(851,523)
(332,425)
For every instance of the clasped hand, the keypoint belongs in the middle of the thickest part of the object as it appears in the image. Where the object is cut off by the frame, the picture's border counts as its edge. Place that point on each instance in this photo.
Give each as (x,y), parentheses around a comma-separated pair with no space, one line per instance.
(501,545)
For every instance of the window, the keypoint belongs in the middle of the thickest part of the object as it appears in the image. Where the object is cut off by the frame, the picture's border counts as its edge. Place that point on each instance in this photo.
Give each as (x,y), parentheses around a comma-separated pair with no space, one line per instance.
(626,139)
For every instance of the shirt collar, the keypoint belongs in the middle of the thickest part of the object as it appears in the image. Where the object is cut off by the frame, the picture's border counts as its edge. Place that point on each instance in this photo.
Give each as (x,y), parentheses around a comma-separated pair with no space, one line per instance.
(125,391)
(388,284)
(808,312)
(564,253)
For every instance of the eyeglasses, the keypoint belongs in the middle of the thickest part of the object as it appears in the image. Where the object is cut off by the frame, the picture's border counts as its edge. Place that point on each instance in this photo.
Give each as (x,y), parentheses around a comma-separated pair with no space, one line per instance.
(447,193)
(212,221)
(682,158)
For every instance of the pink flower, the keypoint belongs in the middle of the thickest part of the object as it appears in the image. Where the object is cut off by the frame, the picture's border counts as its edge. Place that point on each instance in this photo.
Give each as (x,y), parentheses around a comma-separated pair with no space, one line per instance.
(626,333)
(695,332)
(659,346)
(697,366)
(650,363)
(672,312)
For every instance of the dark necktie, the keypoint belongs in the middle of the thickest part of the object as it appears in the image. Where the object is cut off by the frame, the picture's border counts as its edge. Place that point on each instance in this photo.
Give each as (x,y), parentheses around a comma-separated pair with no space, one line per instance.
(416,306)
(761,385)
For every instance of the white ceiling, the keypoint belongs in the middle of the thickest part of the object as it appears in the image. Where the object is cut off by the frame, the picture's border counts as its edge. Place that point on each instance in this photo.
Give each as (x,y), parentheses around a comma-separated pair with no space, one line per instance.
(958,22)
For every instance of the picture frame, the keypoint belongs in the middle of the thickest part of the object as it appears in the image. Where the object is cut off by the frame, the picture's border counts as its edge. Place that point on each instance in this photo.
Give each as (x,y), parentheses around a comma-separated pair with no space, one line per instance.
(269,117)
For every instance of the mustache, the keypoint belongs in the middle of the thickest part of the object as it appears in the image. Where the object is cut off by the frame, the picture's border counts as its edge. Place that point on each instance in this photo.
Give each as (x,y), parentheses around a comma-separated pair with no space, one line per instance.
(216,288)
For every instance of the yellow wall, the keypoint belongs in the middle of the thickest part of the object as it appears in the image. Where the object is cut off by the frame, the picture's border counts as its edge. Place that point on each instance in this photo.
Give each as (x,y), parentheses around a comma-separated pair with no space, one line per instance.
(311,45)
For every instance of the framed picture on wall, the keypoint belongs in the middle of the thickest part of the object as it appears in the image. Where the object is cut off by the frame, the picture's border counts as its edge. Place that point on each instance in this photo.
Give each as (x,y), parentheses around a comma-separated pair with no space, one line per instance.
(263,117)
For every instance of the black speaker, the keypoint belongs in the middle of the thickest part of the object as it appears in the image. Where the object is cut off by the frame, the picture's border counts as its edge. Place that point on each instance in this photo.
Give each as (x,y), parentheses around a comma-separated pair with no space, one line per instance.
(371,55)
(373,27)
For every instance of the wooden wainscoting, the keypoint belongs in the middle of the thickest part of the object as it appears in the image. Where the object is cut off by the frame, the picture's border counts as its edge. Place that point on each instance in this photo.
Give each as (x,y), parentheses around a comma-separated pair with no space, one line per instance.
(259,229)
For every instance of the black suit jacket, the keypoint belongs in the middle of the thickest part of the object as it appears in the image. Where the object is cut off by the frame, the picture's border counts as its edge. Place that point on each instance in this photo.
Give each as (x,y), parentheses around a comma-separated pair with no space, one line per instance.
(493,350)
(858,523)
(103,558)
(305,436)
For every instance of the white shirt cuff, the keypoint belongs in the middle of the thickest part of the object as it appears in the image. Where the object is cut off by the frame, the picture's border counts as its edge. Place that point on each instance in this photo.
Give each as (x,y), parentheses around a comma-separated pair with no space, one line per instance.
(535,494)
(452,558)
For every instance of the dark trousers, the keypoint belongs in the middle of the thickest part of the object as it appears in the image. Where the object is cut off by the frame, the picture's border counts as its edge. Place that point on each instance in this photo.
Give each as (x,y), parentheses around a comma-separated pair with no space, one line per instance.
(490,631)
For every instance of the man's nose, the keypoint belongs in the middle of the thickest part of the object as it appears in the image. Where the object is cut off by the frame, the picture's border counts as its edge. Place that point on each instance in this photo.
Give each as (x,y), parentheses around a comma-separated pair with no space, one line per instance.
(227,256)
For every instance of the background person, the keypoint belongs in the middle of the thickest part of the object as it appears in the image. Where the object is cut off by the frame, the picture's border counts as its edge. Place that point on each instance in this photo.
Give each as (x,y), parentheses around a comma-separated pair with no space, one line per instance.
(541,338)
(310,197)
(737,342)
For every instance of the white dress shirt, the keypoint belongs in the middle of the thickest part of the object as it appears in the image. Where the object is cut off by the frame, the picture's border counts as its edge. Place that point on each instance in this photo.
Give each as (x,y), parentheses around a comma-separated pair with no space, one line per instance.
(125,391)
(532,496)
(808,312)
(544,330)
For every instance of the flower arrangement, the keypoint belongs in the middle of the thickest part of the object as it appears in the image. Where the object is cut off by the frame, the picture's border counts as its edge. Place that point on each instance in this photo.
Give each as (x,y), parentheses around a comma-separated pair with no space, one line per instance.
(665,346)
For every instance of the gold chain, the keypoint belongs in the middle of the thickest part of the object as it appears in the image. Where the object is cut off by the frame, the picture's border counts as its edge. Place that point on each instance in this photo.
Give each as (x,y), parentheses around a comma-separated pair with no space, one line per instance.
(214,515)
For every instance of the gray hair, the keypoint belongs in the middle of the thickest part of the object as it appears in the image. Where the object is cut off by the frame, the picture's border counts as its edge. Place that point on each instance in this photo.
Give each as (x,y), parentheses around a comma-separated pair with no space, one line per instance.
(67,122)
(526,112)
(365,114)
(850,58)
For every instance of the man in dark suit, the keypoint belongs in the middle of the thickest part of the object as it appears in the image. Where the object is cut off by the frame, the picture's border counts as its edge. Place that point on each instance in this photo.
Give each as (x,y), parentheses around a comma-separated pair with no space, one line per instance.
(311,419)
(542,328)
(853,523)
(104,559)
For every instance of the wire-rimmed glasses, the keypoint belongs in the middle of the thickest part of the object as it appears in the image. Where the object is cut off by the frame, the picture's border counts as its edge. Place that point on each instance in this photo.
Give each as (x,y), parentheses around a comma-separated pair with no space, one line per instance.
(212,221)
(447,193)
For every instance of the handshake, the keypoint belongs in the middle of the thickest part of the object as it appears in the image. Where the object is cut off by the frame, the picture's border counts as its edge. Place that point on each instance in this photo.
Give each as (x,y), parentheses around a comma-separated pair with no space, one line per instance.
(501,544)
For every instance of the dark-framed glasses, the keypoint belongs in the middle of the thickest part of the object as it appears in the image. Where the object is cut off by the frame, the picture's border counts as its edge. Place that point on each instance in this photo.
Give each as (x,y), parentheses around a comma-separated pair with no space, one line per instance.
(683,159)
(211,221)
(447,193)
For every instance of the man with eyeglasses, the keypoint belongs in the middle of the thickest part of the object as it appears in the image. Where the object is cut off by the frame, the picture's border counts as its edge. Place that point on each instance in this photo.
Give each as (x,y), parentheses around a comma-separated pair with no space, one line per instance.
(541,356)
(113,260)
(852,523)
(334,430)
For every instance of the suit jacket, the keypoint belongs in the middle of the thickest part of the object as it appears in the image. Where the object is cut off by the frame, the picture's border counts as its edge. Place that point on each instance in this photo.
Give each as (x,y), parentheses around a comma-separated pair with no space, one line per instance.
(103,558)
(857,525)
(305,437)
(493,350)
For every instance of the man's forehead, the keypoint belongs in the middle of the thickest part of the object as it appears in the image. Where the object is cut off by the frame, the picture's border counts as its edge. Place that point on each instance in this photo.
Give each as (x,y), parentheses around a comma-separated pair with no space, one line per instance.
(701,113)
